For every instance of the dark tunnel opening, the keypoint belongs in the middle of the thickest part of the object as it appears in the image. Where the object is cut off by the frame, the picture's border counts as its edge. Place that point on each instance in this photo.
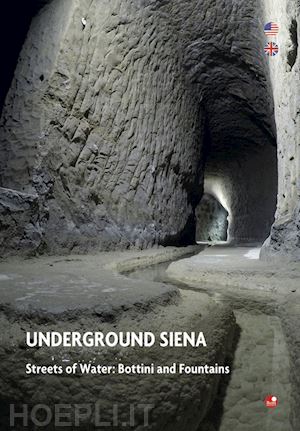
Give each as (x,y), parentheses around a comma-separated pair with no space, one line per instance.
(240,176)
(239,131)
(292,53)
(16,19)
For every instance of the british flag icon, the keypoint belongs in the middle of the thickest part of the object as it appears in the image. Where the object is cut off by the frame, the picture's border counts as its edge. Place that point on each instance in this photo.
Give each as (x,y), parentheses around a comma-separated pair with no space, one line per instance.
(271,49)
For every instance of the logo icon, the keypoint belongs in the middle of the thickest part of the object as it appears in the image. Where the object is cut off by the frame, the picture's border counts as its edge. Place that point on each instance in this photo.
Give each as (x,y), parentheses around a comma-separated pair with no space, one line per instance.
(271,29)
(271,401)
(271,49)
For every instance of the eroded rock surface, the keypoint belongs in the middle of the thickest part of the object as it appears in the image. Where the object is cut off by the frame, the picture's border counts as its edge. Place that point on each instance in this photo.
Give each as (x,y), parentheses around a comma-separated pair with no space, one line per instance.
(105,112)
(21,221)
(284,241)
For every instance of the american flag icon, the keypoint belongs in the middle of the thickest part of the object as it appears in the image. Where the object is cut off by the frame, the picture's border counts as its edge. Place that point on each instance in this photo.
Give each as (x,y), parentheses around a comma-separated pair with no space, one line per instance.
(271,49)
(271,29)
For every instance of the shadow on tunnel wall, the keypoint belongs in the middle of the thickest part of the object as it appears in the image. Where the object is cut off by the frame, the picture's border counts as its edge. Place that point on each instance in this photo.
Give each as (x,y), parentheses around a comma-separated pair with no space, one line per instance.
(16,18)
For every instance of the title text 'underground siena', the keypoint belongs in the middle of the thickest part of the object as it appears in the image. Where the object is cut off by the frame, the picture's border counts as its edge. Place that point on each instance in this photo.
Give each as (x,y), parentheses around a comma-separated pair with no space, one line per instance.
(114,339)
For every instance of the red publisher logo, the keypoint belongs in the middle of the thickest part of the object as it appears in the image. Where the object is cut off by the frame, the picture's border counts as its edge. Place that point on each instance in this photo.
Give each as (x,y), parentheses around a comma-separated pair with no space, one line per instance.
(271,401)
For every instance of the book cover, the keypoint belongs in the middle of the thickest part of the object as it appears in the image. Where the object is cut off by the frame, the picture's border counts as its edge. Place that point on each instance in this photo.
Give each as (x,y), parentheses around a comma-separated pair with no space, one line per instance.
(150,215)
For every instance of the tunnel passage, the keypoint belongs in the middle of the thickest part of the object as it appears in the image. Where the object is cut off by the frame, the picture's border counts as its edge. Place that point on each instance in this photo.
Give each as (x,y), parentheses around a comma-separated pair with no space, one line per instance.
(241,171)
(109,128)
(228,67)
(211,220)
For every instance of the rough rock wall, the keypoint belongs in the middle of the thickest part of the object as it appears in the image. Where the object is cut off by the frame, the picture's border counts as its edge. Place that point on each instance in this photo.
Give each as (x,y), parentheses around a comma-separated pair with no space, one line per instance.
(104,120)
(284,241)
(211,219)
(100,122)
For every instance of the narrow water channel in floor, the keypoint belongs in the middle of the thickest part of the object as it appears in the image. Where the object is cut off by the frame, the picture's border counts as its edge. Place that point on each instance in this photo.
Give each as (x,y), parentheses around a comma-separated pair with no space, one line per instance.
(260,367)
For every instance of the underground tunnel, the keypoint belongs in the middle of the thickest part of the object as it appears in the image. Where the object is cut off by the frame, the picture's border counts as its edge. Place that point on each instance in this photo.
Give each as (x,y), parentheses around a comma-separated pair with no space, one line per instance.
(130,132)
(213,119)
(241,168)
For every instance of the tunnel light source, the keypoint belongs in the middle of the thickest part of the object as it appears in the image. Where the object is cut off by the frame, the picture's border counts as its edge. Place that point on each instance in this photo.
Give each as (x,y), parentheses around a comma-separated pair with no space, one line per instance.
(214,186)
